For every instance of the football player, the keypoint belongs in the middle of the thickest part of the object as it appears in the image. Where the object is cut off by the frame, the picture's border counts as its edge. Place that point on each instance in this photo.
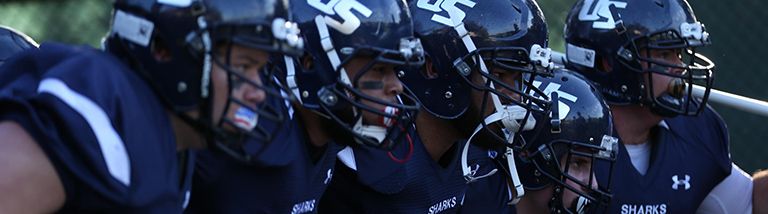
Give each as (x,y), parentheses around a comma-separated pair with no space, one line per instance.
(642,56)
(348,94)
(109,131)
(556,161)
(481,57)
(13,42)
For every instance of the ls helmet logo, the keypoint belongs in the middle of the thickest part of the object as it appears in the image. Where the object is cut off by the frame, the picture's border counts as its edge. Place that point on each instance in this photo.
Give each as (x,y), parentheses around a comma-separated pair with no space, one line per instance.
(554,87)
(349,22)
(599,11)
(455,15)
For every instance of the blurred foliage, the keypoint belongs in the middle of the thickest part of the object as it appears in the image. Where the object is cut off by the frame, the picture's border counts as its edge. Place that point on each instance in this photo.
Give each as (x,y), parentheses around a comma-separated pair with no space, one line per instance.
(68,21)
(736,28)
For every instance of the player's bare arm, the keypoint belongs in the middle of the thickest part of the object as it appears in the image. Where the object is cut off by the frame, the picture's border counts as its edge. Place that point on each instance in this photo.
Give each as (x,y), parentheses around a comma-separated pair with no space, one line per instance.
(28,181)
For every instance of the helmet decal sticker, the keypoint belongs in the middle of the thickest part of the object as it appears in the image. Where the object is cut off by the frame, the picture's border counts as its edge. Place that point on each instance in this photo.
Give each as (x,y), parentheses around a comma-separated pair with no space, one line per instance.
(599,11)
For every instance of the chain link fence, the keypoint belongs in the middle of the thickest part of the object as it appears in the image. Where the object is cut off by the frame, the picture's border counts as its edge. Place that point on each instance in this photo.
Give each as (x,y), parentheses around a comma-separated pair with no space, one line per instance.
(736,28)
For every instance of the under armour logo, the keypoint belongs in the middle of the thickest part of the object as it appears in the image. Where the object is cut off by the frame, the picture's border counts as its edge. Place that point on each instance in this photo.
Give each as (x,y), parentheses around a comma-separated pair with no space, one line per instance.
(599,11)
(685,182)
(328,177)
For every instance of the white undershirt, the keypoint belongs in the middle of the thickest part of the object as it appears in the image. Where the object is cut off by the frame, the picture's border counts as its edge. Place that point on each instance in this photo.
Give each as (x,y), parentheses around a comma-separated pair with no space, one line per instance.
(640,155)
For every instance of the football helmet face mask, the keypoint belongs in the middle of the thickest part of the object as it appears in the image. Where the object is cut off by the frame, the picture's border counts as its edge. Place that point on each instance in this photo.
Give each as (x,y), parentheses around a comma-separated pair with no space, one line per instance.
(564,148)
(197,35)
(12,42)
(379,32)
(626,43)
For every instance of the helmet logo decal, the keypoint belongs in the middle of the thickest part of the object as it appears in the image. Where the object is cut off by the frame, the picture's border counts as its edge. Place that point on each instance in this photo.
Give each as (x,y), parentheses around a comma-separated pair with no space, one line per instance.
(349,22)
(599,11)
(455,15)
(554,87)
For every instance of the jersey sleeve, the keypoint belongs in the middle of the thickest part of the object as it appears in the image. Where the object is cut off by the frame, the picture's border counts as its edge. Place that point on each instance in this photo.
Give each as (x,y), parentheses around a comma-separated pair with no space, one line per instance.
(85,111)
(732,195)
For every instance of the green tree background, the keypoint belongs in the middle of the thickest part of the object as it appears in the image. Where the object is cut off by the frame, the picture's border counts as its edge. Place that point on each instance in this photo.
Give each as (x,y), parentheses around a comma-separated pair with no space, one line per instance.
(736,27)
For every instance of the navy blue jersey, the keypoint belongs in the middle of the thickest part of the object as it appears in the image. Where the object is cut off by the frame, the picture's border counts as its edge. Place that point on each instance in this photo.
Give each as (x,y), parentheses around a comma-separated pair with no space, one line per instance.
(107,135)
(370,181)
(273,185)
(689,158)
(491,194)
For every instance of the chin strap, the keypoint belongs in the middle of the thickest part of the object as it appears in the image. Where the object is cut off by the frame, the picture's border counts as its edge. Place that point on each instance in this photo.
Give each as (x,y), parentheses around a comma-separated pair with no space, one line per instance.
(509,115)
(519,189)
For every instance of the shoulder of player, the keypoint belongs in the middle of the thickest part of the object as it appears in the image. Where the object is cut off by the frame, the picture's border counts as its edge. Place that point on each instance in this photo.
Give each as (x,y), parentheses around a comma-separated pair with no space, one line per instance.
(32,178)
(84,64)
(708,124)
(707,131)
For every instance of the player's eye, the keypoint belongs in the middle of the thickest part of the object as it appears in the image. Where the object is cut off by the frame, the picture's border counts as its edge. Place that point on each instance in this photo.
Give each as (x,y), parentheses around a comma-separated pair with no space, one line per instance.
(242,68)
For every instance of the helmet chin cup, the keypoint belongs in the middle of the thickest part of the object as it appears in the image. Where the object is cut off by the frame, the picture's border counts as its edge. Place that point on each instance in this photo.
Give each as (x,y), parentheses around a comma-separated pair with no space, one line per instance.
(514,117)
(377,133)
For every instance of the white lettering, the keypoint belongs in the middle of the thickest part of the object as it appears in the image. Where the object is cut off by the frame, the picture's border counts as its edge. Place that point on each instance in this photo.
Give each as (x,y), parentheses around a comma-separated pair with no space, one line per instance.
(349,22)
(554,87)
(455,15)
(442,205)
(304,207)
(644,209)
(595,11)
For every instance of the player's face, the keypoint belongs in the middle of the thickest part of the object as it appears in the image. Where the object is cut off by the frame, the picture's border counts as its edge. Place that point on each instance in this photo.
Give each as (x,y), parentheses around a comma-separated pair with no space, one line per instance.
(661,83)
(483,102)
(580,168)
(510,78)
(538,201)
(249,63)
(380,81)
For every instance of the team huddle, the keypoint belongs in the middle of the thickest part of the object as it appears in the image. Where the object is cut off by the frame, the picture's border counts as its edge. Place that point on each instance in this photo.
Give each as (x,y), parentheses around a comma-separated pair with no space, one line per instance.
(368,106)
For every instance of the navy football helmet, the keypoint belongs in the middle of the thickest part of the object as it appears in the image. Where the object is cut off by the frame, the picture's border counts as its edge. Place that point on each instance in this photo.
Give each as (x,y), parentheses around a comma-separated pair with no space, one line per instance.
(578,127)
(338,31)
(12,42)
(189,30)
(622,34)
(469,38)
